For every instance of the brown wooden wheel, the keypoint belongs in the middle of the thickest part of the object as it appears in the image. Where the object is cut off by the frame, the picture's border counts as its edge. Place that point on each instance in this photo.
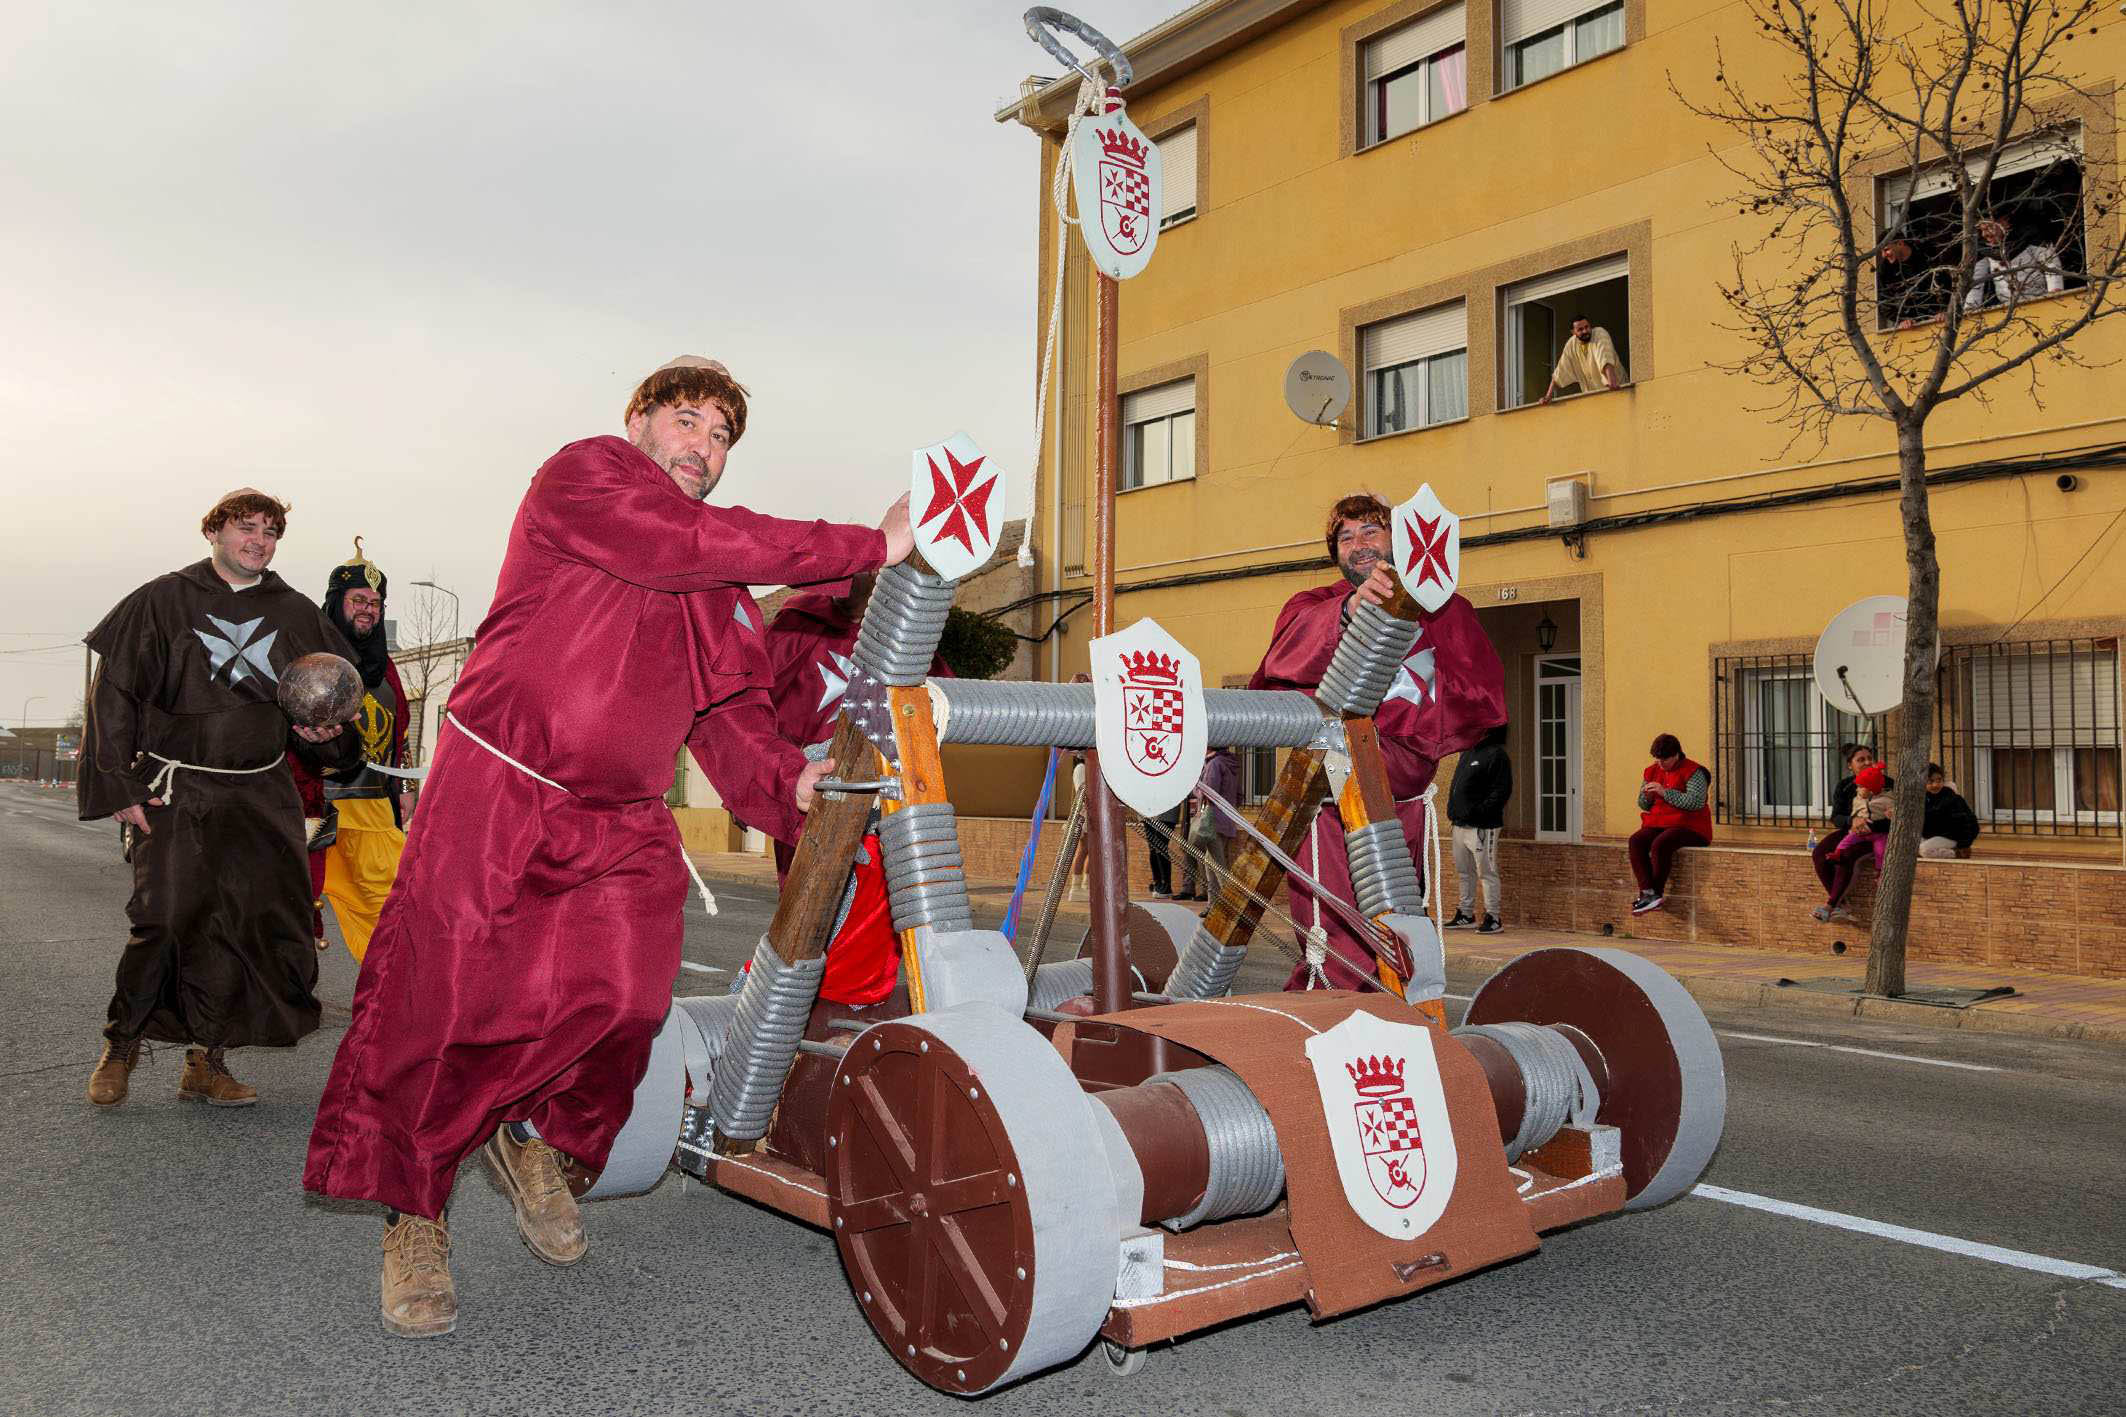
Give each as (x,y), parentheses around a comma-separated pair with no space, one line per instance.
(970,1197)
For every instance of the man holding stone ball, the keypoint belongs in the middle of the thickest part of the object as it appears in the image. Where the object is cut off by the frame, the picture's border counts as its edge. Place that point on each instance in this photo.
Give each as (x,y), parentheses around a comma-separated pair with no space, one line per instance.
(185,741)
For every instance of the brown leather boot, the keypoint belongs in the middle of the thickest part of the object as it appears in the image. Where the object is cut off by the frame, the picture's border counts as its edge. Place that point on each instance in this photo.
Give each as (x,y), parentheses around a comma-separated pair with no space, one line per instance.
(207,1079)
(420,1300)
(114,1073)
(531,1176)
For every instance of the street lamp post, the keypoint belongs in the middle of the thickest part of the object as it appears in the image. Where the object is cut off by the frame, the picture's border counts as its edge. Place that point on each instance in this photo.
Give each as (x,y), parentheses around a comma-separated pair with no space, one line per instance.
(24,720)
(453,606)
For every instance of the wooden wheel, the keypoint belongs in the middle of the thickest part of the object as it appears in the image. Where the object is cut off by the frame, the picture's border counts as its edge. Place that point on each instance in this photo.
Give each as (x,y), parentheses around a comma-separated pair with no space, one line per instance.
(970,1197)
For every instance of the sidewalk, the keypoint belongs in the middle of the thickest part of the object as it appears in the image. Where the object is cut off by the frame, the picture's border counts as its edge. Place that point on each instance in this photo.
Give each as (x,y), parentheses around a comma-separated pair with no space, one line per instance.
(2045,1005)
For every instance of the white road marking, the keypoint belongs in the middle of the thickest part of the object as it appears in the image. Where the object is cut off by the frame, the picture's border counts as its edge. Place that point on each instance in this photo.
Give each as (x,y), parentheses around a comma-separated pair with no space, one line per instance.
(1865,1052)
(701,968)
(1927,1239)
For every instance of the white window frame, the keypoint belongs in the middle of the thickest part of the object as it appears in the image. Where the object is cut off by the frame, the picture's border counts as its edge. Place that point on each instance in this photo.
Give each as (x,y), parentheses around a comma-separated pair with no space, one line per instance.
(1168,404)
(1410,49)
(1547,291)
(1413,341)
(1178,156)
(2041,737)
(1557,15)
(1822,727)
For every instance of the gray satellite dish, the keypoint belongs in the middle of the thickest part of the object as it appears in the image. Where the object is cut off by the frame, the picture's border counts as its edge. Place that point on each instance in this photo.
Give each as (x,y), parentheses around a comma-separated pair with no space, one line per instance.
(1860,657)
(1317,387)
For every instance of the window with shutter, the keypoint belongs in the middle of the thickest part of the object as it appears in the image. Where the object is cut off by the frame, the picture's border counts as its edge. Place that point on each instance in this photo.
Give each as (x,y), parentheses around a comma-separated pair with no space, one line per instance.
(1416,370)
(1159,434)
(1177,164)
(1539,315)
(1414,74)
(2043,737)
(1537,38)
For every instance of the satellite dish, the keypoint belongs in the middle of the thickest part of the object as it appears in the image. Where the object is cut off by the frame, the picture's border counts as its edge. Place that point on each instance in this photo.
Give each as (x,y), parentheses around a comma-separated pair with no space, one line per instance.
(1317,387)
(1860,657)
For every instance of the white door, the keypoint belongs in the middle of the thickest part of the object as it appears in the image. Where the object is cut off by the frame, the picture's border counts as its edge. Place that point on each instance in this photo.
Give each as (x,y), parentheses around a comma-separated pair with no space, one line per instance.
(1557,748)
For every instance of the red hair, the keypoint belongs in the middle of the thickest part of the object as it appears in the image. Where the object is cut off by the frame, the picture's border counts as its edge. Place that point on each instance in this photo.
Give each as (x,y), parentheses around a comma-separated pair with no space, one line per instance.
(1358,507)
(238,505)
(692,384)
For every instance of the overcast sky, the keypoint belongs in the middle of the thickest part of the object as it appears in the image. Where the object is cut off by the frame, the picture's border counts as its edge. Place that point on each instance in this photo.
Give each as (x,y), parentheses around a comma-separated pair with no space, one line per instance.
(382,260)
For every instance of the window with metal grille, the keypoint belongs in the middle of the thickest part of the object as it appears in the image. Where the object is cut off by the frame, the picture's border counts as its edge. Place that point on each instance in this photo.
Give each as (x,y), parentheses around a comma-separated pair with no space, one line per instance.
(1778,743)
(2030,730)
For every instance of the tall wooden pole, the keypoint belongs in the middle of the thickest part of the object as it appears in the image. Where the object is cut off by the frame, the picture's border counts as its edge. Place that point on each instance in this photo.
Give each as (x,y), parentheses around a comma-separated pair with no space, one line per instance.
(1110,877)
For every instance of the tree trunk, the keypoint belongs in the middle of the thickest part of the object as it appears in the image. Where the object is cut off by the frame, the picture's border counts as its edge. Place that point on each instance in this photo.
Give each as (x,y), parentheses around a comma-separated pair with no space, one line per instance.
(1900,865)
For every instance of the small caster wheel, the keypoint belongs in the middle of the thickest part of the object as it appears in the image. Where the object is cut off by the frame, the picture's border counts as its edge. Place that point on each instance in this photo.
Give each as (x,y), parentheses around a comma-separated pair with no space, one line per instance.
(1122,1362)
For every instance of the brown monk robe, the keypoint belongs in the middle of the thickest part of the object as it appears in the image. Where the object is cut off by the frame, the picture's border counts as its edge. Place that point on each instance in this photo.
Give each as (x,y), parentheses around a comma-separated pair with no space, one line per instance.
(220,953)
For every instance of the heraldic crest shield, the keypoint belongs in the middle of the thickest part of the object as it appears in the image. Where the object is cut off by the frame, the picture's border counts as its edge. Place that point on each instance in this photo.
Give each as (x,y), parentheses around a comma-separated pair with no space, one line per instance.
(1428,549)
(1388,1127)
(1150,727)
(1119,182)
(955,504)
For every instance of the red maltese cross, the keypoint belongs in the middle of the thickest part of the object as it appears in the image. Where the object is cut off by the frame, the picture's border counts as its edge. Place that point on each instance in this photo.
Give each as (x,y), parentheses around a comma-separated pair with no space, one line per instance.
(1428,549)
(957,495)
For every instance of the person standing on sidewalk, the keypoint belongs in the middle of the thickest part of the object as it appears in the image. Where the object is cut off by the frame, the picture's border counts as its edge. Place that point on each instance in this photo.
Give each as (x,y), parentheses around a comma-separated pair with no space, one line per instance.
(186,744)
(525,959)
(1476,807)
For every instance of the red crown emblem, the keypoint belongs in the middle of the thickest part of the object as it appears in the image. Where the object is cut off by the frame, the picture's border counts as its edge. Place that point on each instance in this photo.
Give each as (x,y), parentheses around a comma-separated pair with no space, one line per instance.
(1121,147)
(1376,1077)
(1151,667)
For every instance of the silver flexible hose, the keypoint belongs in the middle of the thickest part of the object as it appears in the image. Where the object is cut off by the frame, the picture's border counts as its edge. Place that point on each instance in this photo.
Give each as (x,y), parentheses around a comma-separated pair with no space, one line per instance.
(761,1040)
(1366,661)
(1556,1086)
(1247,1169)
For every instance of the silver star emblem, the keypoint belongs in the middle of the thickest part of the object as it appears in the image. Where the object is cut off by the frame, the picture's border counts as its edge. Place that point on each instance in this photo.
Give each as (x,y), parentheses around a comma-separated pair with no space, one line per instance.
(1414,680)
(237,651)
(833,685)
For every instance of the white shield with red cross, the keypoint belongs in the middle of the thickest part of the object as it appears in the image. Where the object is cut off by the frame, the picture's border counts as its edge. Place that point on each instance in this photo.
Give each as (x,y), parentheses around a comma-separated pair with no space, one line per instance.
(1149,725)
(1428,549)
(1388,1126)
(1118,179)
(956,505)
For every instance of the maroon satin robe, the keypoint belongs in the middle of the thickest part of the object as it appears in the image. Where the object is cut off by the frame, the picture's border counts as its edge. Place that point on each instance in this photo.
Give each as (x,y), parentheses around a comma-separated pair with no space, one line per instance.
(1438,705)
(525,958)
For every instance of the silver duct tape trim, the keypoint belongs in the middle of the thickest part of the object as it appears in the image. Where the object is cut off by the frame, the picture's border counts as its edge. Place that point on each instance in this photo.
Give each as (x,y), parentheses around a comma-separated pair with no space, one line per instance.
(1367,659)
(926,882)
(903,623)
(1555,1084)
(760,1041)
(1066,979)
(1023,715)
(1206,968)
(1247,1169)
(1383,877)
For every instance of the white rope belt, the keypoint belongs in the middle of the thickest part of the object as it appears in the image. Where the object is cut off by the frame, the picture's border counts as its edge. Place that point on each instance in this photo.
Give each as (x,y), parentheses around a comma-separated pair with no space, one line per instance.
(708,899)
(164,783)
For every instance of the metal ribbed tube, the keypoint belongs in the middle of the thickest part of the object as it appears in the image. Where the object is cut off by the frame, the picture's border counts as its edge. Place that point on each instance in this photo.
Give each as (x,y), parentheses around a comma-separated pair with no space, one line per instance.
(1383,877)
(903,623)
(1556,1086)
(926,883)
(1206,968)
(1057,983)
(761,1040)
(1021,715)
(1247,1169)
(1367,658)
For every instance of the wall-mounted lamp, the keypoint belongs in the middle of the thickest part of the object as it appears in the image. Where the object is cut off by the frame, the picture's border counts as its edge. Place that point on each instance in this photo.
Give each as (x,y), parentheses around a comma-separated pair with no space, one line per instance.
(1546,634)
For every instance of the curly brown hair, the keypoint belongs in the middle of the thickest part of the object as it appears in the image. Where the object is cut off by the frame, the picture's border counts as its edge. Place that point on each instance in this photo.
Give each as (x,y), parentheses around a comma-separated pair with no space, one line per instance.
(689,384)
(1358,507)
(238,505)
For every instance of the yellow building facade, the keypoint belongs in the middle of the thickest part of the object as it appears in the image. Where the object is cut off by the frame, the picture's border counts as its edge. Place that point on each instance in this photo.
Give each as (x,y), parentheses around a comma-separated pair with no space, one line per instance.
(1351,182)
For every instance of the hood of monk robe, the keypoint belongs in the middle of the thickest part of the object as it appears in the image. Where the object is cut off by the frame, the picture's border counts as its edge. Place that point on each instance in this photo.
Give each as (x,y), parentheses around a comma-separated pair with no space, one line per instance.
(808,653)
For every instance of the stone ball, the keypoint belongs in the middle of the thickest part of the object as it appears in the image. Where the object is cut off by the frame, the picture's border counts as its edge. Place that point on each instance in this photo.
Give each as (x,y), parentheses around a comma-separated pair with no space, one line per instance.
(320,690)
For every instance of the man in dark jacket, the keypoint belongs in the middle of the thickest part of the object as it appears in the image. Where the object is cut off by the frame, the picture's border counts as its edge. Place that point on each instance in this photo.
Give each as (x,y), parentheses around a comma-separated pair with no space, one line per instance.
(1476,805)
(1951,825)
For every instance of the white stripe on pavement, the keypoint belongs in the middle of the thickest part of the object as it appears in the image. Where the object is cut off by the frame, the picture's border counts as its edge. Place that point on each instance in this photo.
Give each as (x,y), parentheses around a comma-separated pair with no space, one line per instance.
(1949,1244)
(701,968)
(1865,1052)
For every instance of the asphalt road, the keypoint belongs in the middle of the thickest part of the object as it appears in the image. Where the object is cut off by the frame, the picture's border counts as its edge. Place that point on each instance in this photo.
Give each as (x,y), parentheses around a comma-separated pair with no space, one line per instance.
(161,1258)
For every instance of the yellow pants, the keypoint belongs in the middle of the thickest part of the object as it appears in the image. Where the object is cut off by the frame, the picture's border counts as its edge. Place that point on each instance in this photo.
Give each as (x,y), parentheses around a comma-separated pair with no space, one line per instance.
(360,867)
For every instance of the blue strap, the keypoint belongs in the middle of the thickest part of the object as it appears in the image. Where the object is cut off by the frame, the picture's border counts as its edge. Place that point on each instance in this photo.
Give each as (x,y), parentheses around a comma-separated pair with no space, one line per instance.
(1033,844)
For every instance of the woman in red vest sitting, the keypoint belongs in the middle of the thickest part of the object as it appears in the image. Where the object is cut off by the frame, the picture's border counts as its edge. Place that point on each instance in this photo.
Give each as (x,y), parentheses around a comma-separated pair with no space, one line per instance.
(1673,814)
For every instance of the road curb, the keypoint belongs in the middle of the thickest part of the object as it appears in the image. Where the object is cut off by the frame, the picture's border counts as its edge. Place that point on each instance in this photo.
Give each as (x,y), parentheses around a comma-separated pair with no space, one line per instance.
(1726,989)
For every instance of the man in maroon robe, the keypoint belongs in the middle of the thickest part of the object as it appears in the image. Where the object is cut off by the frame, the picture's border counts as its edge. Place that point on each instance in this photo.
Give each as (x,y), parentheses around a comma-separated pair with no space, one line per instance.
(1451,690)
(808,653)
(525,959)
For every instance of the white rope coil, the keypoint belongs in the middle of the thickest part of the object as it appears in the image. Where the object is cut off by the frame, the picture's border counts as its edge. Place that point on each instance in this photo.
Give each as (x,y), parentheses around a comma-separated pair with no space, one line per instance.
(164,783)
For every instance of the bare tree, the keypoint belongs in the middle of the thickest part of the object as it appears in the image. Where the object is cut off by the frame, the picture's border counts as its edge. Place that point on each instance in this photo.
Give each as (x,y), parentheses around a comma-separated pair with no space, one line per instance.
(1928,227)
(429,659)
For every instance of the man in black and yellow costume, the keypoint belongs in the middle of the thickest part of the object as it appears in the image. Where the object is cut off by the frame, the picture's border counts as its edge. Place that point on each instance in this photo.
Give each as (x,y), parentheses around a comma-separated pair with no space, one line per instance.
(354,850)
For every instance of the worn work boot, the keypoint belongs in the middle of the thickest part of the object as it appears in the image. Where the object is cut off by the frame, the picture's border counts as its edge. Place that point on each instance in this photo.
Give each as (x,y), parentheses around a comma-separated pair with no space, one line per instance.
(114,1073)
(420,1301)
(531,1176)
(207,1079)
